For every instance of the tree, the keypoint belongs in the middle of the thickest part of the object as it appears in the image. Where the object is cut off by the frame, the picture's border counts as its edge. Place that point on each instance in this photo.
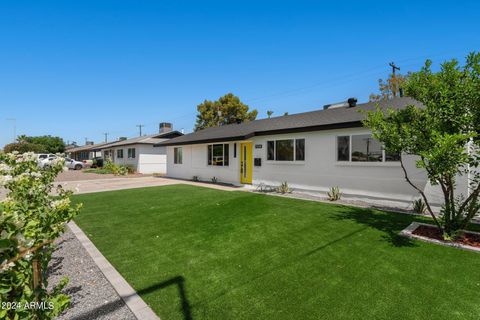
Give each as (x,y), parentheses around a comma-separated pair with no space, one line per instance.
(269,113)
(389,88)
(23,146)
(226,110)
(50,144)
(444,135)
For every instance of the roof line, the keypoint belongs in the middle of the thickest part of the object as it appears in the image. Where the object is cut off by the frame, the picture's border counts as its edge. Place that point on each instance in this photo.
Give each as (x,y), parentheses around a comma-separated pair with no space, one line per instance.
(353,124)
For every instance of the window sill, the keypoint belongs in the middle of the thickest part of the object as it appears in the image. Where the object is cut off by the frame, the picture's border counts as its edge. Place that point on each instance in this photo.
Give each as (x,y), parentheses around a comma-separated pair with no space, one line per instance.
(367,164)
(298,163)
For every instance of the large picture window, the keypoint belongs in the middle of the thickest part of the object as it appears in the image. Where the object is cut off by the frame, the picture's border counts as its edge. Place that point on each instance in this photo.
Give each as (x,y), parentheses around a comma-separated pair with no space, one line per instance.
(286,150)
(177,155)
(362,148)
(218,154)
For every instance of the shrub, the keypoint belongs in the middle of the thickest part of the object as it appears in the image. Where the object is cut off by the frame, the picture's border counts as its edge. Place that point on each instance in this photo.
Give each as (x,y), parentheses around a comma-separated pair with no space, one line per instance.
(195,178)
(115,168)
(419,206)
(334,194)
(214,180)
(284,188)
(31,219)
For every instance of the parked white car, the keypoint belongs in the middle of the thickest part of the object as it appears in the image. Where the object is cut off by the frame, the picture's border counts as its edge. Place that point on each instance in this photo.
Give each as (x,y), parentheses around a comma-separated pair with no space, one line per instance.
(74,164)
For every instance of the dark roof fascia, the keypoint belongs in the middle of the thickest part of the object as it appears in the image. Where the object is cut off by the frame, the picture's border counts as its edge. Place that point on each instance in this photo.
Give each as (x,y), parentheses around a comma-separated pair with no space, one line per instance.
(168,144)
(344,125)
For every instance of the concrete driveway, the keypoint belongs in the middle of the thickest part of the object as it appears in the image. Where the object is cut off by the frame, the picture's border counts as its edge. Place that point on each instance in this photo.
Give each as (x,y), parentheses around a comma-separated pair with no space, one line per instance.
(120,183)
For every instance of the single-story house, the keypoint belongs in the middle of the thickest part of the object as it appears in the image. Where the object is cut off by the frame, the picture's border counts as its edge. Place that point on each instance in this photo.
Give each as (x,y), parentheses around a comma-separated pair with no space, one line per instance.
(86,152)
(139,152)
(312,151)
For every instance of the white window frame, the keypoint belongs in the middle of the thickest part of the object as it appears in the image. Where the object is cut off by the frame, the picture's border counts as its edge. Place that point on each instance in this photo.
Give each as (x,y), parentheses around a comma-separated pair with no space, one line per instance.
(223,155)
(175,160)
(364,163)
(129,153)
(294,150)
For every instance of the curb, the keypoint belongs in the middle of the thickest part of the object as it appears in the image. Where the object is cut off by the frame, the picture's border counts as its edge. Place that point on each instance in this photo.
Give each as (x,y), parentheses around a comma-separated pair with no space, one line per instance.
(408,232)
(133,301)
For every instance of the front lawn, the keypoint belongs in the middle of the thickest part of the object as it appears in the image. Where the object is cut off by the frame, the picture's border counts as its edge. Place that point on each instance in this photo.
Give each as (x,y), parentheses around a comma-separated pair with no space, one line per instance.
(198,253)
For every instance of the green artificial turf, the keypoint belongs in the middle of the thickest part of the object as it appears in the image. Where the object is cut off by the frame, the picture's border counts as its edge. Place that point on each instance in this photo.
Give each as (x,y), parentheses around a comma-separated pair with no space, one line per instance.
(198,253)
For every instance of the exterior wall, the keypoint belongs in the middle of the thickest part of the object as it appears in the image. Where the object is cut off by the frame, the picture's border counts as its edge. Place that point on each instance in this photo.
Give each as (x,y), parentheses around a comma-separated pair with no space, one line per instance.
(195,163)
(321,170)
(148,159)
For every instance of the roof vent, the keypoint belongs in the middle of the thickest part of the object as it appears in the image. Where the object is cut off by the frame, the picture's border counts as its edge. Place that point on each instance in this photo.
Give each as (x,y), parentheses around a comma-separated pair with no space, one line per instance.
(352,102)
(165,127)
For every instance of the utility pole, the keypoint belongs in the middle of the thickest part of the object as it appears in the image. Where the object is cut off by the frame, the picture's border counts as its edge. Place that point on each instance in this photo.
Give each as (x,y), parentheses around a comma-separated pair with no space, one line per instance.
(86,139)
(140,126)
(394,68)
(106,136)
(394,80)
(14,128)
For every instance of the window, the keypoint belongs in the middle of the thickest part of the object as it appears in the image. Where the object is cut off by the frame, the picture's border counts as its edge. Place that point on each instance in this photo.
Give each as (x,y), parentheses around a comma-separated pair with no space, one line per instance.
(177,155)
(366,149)
(343,148)
(270,150)
(131,153)
(218,154)
(120,153)
(300,149)
(362,148)
(286,150)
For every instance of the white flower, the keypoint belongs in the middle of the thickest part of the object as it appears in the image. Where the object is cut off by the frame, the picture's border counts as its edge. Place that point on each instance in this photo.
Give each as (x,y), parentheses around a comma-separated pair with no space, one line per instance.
(56,204)
(5,179)
(5,168)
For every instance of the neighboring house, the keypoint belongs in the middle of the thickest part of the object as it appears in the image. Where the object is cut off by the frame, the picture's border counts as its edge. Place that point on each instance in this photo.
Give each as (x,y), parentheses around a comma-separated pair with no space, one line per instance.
(86,152)
(312,151)
(140,153)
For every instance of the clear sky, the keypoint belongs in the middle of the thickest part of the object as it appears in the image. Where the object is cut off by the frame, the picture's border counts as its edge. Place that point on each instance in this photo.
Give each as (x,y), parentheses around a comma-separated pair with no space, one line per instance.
(81,68)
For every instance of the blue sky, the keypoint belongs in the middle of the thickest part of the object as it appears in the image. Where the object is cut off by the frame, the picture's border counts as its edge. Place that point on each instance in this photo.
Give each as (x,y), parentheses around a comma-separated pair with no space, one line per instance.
(81,68)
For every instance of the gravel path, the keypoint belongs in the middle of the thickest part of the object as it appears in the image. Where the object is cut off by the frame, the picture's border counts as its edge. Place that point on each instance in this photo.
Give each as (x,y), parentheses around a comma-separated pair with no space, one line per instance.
(92,296)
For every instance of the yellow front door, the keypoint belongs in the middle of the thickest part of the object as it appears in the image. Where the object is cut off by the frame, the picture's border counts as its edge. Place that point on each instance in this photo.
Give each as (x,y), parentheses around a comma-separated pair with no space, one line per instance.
(246,162)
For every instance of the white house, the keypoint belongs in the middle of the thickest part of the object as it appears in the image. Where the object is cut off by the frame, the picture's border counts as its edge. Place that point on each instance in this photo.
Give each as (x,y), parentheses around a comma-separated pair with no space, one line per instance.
(312,151)
(140,152)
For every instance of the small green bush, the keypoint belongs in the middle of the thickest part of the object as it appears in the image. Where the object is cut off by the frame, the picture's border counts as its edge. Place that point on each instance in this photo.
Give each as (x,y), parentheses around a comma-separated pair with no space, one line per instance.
(334,194)
(284,188)
(214,180)
(419,206)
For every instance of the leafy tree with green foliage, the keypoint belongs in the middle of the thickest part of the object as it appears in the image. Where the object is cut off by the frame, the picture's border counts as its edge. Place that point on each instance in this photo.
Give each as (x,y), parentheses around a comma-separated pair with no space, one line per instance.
(23,147)
(444,135)
(269,114)
(31,218)
(50,144)
(389,88)
(226,110)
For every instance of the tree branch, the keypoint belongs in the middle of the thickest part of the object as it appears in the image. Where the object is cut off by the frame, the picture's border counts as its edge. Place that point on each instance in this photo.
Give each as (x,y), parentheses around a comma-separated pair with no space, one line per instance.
(429,208)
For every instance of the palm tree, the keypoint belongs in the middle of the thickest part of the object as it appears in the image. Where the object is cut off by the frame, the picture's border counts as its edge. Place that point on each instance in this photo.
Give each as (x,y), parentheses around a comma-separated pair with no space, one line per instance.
(269,113)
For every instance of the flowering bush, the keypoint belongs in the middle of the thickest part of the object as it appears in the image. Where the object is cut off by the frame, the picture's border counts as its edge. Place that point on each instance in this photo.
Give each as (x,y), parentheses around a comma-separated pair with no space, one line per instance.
(32,216)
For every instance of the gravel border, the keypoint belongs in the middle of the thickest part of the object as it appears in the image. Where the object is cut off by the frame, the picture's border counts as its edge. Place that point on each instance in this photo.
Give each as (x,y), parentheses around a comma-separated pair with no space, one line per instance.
(92,296)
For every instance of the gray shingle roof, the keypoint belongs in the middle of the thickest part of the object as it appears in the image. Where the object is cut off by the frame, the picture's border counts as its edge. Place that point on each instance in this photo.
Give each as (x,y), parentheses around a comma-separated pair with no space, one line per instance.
(149,139)
(300,122)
